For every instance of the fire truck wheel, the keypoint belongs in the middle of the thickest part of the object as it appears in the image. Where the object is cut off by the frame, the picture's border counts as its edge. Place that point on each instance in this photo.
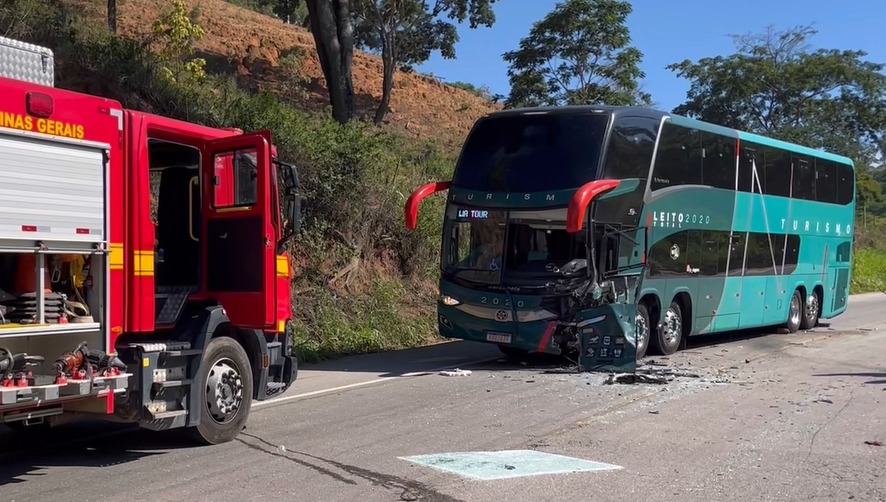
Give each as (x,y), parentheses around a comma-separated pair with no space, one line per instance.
(226,394)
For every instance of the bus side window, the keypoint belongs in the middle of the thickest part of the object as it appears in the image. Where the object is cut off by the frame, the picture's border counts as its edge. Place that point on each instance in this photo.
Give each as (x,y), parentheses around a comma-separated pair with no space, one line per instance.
(845,184)
(678,161)
(746,182)
(825,181)
(718,160)
(803,180)
(778,172)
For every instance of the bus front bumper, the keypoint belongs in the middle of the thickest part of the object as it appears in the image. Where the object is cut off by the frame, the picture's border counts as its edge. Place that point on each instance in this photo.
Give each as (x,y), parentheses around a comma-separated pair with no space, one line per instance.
(533,336)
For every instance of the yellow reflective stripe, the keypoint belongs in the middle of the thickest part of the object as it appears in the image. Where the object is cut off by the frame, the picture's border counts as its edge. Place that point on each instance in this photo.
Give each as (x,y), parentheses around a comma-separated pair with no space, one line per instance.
(144,263)
(115,256)
(282,267)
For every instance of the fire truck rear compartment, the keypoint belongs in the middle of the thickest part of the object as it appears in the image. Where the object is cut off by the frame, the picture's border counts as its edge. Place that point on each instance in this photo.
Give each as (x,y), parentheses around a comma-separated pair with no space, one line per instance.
(54,267)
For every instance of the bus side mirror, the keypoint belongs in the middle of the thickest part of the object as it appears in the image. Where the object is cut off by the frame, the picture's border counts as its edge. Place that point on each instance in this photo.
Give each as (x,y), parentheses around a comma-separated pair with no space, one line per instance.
(578,204)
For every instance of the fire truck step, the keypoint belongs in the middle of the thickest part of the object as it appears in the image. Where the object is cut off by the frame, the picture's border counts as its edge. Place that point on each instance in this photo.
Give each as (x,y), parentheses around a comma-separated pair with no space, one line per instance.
(170,305)
(181,353)
(173,383)
(168,414)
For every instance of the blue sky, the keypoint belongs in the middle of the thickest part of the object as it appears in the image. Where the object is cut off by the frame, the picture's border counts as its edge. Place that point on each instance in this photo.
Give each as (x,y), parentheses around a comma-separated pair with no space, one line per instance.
(667,31)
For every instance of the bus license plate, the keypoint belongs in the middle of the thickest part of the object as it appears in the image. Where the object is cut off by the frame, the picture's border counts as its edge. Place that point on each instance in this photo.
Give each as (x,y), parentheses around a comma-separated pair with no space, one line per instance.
(498,337)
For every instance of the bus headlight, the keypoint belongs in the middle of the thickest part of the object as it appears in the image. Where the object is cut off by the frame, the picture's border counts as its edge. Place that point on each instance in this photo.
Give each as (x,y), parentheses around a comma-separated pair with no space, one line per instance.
(535,315)
(448,300)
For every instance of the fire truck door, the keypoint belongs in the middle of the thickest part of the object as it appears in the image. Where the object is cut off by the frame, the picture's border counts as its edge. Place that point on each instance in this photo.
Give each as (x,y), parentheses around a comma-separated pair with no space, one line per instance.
(239,244)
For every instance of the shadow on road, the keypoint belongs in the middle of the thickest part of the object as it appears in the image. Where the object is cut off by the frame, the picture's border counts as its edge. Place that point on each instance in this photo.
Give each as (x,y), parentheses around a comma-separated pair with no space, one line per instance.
(27,455)
(405,489)
(879,377)
(482,356)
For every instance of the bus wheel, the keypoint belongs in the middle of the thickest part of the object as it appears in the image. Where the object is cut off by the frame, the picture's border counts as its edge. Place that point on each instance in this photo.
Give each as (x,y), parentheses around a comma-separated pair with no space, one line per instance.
(642,331)
(795,312)
(812,311)
(667,339)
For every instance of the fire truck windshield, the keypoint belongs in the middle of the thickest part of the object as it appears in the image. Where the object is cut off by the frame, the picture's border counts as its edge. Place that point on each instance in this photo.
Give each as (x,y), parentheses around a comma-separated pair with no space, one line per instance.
(531,153)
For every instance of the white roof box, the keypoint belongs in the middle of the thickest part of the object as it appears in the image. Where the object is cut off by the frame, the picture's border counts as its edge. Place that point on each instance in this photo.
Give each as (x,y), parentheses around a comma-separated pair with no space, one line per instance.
(27,62)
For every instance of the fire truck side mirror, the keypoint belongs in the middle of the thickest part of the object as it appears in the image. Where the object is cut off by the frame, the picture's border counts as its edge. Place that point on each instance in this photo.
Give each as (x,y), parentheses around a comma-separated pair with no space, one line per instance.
(291,203)
(294,205)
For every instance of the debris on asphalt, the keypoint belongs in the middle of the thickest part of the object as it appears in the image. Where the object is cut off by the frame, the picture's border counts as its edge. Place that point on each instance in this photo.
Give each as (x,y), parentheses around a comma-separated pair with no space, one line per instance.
(456,372)
(632,378)
(874,443)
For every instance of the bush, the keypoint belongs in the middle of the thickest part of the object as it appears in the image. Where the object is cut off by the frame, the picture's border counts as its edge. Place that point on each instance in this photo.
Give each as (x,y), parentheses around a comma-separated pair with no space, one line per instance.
(868,271)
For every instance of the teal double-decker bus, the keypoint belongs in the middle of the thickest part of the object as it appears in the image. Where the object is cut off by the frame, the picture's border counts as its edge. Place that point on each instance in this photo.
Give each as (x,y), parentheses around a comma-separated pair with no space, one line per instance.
(637,227)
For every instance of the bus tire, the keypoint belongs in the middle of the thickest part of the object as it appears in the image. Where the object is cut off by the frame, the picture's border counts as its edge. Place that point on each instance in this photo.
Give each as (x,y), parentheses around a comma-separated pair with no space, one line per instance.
(225,393)
(811,311)
(795,312)
(642,331)
(667,339)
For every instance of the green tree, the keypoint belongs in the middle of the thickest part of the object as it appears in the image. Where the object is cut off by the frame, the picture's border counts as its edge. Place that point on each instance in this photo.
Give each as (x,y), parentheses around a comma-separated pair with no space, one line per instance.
(406,32)
(175,33)
(579,53)
(775,85)
(112,16)
(331,23)
(288,10)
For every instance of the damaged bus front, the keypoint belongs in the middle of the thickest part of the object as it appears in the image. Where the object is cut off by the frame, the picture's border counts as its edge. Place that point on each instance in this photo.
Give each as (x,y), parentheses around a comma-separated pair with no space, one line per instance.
(541,249)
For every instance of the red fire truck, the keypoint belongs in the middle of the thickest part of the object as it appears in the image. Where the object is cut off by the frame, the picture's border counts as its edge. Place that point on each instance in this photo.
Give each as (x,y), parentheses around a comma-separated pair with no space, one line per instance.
(144,274)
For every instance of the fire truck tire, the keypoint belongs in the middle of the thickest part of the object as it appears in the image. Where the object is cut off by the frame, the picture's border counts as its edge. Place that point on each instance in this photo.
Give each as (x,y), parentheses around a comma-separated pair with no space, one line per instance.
(226,394)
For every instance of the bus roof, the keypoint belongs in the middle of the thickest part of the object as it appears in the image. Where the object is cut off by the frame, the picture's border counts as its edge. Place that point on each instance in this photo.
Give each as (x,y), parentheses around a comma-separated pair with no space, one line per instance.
(652,113)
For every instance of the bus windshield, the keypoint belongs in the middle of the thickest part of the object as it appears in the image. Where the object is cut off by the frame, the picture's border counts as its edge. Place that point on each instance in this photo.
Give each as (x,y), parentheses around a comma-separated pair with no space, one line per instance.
(494,247)
(531,153)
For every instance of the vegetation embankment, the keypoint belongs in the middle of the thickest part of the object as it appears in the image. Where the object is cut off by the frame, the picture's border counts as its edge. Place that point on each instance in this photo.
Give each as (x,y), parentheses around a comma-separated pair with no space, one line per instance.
(363,283)
(869,259)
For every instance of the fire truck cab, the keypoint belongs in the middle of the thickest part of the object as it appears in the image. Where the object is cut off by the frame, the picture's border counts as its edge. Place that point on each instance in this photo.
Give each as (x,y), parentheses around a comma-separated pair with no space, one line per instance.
(145,274)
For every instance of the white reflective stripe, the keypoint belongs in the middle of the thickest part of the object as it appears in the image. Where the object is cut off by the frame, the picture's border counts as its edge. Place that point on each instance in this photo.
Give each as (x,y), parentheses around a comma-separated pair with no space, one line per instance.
(119,114)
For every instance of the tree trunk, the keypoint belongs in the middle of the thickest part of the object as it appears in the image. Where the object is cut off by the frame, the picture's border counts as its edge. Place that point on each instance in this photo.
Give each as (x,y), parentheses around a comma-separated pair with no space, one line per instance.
(334,37)
(389,59)
(112,16)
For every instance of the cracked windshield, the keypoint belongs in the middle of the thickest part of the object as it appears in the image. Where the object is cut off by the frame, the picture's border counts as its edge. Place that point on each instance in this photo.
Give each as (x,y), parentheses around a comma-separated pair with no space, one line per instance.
(489,246)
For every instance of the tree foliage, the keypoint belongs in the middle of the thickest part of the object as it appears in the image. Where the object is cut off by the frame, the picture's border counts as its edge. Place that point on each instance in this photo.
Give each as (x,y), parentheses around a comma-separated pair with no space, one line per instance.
(175,33)
(775,85)
(406,32)
(579,53)
(331,24)
(287,10)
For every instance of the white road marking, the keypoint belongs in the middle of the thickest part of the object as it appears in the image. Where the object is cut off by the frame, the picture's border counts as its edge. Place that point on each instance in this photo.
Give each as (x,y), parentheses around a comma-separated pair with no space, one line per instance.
(256,404)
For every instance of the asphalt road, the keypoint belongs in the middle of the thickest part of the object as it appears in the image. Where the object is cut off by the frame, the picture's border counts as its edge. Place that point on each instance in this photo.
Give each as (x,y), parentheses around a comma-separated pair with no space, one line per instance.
(751,418)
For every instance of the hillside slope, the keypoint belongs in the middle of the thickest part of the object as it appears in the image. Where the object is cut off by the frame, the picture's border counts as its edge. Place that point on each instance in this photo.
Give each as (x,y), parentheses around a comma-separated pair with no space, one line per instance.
(252,46)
